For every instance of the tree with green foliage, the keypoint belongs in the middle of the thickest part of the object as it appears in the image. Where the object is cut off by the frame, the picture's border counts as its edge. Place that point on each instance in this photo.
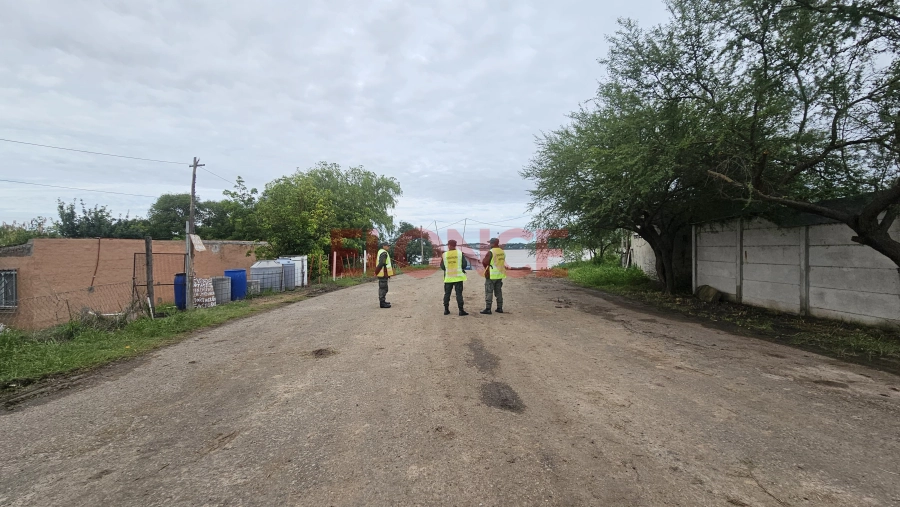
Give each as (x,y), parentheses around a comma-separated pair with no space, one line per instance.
(20,233)
(626,163)
(96,222)
(168,215)
(295,217)
(409,243)
(240,209)
(803,103)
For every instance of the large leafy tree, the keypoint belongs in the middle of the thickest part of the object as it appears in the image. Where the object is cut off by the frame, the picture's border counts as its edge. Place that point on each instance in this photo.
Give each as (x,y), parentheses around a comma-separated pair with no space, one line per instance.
(627,162)
(363,199)
(169,214)
(804,97)
(295,217)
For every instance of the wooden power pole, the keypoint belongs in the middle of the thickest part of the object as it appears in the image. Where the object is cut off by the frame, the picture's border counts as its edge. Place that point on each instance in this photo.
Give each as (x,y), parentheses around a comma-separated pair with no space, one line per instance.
(195,165)
(190,230)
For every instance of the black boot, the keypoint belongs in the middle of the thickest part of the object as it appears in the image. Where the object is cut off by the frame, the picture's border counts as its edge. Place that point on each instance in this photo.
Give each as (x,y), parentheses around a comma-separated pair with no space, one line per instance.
(499,309)
(384,304)
(462,312)
(487,310)
(447,310)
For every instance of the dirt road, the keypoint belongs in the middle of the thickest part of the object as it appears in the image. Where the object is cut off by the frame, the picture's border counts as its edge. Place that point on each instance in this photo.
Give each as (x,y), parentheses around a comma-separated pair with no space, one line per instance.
(568,399)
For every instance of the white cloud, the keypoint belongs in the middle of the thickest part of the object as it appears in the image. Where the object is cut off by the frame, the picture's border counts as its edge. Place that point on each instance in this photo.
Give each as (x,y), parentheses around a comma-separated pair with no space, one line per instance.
(446,96)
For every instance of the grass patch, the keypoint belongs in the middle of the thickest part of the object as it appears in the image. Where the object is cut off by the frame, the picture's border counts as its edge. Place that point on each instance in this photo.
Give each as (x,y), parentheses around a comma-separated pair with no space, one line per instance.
(608,276)
(29,356)
(833,338)
(350,281)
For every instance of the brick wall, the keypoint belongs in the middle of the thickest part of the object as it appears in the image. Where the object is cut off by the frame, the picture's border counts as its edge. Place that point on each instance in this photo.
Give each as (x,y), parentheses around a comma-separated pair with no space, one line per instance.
(49,267)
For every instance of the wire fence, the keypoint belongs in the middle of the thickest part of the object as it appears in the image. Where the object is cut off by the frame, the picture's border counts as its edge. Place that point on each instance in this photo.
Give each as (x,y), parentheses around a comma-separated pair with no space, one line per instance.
(165,267)
(112,301)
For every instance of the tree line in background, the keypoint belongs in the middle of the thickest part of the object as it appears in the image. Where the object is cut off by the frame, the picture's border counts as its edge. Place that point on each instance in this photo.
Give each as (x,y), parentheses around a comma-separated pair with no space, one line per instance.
(733,108)
(294,214)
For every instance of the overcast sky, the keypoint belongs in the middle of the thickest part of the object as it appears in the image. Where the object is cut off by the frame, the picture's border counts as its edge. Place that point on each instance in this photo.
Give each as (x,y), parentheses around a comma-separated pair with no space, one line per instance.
(445,96)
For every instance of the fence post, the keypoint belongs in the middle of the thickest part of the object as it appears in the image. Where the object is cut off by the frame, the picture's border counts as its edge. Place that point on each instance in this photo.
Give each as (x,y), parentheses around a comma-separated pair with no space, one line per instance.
(694,259)
(804,271)
(148,249)
(739,268)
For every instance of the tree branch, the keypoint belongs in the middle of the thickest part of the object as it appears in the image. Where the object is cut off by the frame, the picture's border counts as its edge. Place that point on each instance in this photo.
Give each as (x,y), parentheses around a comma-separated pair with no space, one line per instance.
(790,203)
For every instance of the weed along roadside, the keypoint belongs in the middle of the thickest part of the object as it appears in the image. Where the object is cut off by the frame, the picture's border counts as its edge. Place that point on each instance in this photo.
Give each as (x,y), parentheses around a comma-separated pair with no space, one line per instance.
(27,359)
(877,347)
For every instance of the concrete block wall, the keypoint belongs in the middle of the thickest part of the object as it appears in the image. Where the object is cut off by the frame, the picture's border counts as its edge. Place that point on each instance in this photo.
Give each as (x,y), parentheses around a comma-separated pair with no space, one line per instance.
(810,270)
(849,281)
(715,258)
(771,266)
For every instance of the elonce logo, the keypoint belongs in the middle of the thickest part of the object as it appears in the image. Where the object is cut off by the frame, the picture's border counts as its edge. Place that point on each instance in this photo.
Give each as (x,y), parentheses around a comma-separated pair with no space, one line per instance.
(404,251)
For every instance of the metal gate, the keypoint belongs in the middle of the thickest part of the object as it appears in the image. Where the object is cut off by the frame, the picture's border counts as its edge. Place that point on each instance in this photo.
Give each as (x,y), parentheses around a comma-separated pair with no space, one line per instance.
(165,267)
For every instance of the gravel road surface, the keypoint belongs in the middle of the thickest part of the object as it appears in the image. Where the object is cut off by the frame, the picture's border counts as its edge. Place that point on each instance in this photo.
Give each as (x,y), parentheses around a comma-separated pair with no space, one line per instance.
(567,399)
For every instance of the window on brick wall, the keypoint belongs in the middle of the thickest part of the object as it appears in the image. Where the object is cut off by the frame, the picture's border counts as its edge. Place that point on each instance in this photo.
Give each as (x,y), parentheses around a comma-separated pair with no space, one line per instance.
(8,294)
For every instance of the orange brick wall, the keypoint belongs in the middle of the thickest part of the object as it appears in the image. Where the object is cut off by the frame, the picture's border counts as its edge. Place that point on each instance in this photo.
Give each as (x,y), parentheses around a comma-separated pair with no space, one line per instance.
(57,266)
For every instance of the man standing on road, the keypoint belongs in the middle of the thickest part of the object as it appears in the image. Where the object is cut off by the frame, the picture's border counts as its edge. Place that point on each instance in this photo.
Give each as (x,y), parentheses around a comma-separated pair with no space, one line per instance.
(494,263)
(384,270)
(454,264)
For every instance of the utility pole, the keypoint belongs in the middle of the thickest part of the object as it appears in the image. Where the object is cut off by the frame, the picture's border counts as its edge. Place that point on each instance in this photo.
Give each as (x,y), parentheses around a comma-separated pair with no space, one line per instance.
(188,267)
(188,231)
(195,165)
(437,234)
(422,245)
(466,221)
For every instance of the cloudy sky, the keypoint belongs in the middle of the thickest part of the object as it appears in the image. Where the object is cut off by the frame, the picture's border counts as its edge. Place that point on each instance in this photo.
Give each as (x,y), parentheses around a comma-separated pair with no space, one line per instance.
(445,96)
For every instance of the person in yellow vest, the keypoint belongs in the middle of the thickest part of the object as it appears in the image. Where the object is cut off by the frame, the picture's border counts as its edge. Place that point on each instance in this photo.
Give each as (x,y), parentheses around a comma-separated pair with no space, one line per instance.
(454,264)
(384,270)
(494,263)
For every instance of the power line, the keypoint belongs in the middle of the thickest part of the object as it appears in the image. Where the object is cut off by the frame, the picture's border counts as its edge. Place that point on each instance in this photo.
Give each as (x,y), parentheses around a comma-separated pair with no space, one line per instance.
(495,225)
(94,152)
(80,189)
(217,176)
(454,223)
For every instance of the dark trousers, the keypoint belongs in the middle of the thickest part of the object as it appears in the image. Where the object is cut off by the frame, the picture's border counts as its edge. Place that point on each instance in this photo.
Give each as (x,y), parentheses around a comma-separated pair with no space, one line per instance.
(382,288)
(448,288)
(492,288)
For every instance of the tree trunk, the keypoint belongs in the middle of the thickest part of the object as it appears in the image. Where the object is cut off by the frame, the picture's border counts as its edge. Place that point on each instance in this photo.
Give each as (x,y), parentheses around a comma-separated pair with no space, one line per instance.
(664,249)
(878,239)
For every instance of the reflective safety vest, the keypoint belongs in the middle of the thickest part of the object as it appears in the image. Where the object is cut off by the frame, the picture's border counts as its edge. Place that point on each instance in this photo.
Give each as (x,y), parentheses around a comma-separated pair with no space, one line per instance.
(453,266)
(388,267)
(498,264)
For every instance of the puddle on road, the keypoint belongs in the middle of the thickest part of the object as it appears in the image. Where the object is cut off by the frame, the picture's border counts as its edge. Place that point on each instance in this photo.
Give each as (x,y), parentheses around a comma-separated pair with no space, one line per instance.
(322,353)
(481,358)
(500,395)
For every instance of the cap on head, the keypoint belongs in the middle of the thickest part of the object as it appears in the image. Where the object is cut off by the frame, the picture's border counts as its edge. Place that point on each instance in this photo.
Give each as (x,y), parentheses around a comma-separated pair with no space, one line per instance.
(385,243)
(495,241)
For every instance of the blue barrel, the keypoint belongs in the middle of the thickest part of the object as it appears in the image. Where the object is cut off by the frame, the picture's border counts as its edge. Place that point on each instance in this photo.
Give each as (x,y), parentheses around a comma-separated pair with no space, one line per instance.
(238,283)
(181,291)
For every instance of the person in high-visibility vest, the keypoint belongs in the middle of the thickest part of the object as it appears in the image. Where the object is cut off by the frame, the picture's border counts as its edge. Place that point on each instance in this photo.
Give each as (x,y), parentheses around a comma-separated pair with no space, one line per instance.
(494,263)
(454,264)
(384,270)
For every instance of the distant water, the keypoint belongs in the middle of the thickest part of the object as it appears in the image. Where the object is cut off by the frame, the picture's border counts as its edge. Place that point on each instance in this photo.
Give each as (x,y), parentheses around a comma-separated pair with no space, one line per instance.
(522,258)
